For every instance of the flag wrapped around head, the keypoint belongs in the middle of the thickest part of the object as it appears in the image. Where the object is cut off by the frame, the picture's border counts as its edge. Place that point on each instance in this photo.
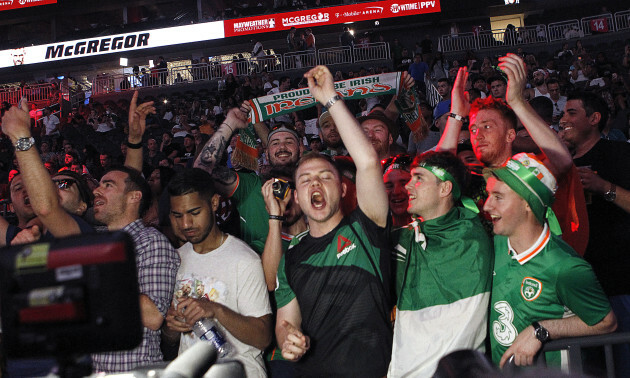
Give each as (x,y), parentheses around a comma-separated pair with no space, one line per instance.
(531,180)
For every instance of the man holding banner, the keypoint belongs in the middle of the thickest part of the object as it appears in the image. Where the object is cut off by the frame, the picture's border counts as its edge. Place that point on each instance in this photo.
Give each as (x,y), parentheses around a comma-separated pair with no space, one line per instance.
(283,141)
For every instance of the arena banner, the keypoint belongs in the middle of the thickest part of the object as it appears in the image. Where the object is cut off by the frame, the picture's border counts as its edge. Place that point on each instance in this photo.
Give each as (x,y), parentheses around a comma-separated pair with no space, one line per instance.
(17,4)
(110,44)
(328,16)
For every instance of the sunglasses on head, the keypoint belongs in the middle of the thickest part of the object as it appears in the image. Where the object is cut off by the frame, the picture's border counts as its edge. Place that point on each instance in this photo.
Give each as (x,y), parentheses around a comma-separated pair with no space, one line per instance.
(64,184)
(402,161)
(281,125)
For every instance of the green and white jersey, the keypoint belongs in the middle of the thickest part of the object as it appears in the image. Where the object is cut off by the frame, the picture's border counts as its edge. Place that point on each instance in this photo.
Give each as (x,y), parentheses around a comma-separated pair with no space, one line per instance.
(443,273)
(547,281)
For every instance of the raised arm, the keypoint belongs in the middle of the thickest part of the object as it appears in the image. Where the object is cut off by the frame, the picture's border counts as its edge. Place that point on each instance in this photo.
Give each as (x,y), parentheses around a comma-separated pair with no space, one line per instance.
(460,105)
(371,195)
(212,152)
(43,195)
(137,125)
(391,111)
(559,159)
(272,254)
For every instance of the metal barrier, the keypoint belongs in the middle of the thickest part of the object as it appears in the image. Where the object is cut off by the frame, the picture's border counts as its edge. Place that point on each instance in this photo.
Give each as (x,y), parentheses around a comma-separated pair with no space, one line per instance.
(40,94)
(432,94)
(463,42)
(216,69)
(335,55)
(574,347)
(622,20)
(601,23)
(493,38)
(269,63)
(569,29)
(371,51)
(299,60)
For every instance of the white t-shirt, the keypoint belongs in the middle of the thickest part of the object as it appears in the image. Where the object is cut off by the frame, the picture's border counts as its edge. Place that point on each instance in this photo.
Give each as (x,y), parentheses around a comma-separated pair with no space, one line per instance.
(50,123)
(231,275)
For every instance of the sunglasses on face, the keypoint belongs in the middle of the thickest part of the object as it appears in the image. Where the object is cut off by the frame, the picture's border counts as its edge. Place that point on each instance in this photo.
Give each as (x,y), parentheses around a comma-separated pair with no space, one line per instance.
(64,184)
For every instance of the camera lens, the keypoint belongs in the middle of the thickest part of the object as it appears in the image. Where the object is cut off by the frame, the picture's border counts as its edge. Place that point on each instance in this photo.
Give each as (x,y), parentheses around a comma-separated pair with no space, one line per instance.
(276,186)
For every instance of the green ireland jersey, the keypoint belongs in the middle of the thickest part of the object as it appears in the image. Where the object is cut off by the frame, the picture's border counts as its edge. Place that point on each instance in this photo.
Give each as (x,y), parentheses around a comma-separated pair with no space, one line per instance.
(547,281)
(251,208)
(443,271)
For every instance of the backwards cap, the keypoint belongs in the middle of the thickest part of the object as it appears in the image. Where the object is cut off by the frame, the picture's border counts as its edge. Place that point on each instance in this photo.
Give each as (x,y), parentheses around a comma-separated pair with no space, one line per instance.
(531,180)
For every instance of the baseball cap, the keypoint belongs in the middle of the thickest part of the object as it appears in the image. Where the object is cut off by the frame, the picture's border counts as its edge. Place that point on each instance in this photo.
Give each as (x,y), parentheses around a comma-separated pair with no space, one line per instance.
(380,116)
(324,117)
(442,108)
(533,181)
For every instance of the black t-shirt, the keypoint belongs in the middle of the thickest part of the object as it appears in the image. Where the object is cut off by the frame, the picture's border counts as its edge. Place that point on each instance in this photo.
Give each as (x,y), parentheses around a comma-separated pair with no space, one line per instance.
(345,304)
(609,235)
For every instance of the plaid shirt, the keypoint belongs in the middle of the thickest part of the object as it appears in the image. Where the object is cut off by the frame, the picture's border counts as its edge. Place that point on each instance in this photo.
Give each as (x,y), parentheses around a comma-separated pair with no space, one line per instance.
(157,263)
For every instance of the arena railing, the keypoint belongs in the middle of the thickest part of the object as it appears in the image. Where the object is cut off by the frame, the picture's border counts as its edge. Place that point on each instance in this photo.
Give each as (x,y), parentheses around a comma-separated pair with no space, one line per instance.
(216,69)
(299,60)
(575,345)
(267,63)
(38,94)
(463,42)
(335,55)
(371,51)
(432,94)
(563,30)
(622,20)
(555,31)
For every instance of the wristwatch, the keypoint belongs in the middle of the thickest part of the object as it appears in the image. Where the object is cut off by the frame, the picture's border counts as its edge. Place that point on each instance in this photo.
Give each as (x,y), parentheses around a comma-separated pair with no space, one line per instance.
(540,332)
(611,195)
(24,144)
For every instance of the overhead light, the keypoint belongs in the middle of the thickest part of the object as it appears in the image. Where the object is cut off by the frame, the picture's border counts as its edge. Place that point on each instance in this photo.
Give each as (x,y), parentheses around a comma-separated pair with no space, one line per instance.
(61,77)
(124,62)
(351,31)
(348,23)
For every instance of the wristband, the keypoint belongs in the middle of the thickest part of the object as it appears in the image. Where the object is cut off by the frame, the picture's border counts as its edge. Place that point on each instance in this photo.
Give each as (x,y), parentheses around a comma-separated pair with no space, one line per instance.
(457,117)
(134,146)
(278,217)
(332,101)
(226,124)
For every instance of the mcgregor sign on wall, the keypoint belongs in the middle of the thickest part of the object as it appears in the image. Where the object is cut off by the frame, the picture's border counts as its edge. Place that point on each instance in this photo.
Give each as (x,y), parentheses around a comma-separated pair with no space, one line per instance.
(328,16)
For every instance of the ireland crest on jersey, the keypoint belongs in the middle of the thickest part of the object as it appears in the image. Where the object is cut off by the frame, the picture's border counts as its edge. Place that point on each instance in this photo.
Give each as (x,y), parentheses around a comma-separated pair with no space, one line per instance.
(530,288)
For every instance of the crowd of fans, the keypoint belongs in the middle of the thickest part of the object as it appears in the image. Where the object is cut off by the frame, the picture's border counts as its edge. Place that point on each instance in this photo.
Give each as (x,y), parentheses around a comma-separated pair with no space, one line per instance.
(165,137)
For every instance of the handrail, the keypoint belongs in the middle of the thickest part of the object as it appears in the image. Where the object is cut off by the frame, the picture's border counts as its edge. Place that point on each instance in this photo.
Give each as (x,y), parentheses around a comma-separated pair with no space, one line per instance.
(622,20)
(574,346)
(216,69)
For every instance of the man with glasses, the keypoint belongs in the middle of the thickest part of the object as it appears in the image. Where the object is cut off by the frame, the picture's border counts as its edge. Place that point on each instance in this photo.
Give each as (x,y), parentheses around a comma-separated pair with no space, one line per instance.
(443,263)
(59,203)
(244,188)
